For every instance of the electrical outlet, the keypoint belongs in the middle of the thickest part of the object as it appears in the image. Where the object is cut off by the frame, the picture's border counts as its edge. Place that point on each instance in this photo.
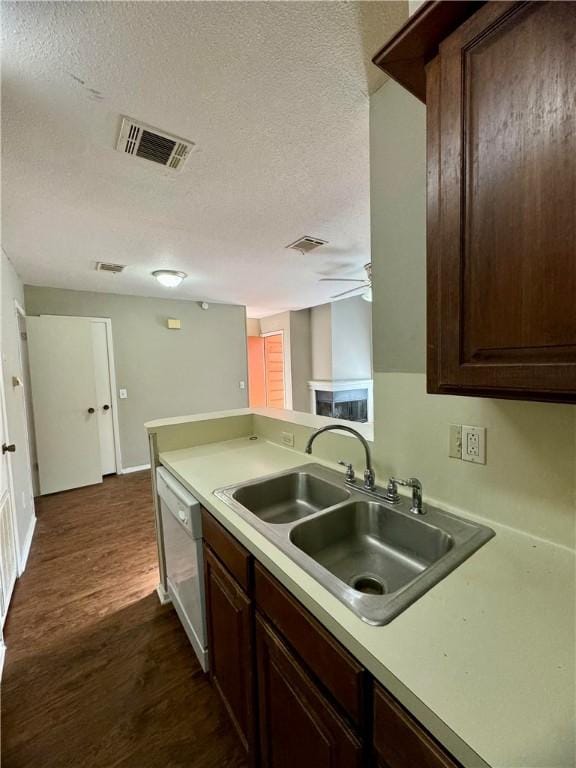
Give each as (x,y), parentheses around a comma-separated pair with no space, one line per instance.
(455,441)
(474,444)
(287,438)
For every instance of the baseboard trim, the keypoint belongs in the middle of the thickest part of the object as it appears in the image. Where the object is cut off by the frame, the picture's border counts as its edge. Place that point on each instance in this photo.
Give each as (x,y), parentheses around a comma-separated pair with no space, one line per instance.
(163,595)
(139,468)
(23,555)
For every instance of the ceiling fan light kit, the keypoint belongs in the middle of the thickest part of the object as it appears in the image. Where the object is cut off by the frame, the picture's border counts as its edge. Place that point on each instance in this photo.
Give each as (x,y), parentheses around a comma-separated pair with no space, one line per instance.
(365,285)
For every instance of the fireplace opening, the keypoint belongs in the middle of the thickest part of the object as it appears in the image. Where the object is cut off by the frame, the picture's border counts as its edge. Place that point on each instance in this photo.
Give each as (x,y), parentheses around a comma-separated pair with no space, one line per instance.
(350,404)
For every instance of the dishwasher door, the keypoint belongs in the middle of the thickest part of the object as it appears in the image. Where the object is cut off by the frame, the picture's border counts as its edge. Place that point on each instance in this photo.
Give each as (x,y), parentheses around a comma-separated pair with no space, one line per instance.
(184,564)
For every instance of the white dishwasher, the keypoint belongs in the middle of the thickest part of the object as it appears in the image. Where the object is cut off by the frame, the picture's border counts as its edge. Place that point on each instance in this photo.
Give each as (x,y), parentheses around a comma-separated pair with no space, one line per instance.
(182,529)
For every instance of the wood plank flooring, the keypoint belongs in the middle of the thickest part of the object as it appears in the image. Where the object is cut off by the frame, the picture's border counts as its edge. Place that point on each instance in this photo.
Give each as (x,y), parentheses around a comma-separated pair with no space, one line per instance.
(97,673)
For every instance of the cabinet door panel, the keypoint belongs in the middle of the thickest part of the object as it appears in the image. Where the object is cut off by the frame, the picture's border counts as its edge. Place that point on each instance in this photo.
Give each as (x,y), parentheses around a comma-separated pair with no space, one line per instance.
(503,201)
(230,645)
(298,727)
(338,671)
(399,740)
(236,558)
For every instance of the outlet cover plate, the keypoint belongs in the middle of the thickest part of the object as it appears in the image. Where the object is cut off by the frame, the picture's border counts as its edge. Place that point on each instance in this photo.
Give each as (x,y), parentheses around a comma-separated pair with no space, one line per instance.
(287,438)
(474,444)
(455,444)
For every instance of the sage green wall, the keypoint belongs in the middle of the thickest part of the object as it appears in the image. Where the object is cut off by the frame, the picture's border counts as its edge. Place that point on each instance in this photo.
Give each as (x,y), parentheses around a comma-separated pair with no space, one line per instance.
(301,357)
(321,337)
(295,326)
(529,480)
(398,200)
(351,339)
(341,333)
(167,373)
(252,326)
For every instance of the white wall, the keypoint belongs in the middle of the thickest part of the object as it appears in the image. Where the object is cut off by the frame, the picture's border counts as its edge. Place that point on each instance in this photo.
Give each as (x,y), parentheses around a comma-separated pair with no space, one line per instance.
(16,406)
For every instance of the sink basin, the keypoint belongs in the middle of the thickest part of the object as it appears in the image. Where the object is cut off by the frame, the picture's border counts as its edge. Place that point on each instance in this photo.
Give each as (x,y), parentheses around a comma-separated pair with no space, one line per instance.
(370,547)
(374,556)
(289,497)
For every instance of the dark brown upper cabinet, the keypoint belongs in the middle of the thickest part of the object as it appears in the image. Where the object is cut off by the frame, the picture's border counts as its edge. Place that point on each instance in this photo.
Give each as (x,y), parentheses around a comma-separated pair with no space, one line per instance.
(501,241)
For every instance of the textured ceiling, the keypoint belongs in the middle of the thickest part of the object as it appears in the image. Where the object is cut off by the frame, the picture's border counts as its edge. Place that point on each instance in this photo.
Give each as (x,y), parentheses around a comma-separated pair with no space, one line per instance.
(274,94)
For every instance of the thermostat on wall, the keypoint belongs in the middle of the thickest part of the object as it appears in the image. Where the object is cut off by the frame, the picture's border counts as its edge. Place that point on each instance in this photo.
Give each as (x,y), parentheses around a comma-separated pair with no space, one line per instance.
(174,323)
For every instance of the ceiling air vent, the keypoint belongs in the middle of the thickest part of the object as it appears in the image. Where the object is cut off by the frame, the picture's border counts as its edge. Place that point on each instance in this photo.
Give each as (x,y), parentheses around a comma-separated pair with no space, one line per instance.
(142,140)
(306,244)
(102,266)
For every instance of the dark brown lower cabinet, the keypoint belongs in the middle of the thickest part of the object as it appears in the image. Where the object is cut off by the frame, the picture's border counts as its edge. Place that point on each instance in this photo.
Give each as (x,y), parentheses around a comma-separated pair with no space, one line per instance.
(230,646)
(400,741)
(298,727)
(296,696)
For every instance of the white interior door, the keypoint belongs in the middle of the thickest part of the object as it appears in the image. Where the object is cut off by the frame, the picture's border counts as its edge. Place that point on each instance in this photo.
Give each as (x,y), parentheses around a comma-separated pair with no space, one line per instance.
(103,396)
(63,382)
(8,561)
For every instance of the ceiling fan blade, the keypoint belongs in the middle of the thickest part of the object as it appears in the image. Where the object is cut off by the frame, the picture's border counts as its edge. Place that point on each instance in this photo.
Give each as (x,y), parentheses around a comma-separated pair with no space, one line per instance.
(351,290)
(342,280)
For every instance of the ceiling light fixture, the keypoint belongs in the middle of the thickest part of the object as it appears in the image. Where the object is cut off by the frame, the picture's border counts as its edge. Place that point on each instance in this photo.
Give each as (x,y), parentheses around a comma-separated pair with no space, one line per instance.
(169,278)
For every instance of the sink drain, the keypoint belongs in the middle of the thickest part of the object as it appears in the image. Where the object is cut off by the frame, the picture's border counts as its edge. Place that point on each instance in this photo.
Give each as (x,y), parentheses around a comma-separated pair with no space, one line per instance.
(368,584)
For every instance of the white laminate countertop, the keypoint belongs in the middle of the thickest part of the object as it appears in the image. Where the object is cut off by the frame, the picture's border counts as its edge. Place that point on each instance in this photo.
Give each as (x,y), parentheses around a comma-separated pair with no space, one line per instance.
(280,414)
(485,660)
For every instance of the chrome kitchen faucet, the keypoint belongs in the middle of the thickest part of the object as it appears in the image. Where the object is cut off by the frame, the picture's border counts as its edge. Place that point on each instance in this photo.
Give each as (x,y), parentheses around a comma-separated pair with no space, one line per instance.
(391,494)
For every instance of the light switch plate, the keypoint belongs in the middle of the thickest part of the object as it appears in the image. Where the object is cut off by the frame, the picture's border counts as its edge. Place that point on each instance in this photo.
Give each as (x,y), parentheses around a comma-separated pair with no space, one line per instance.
(455,444)
(123,394)
(474,444)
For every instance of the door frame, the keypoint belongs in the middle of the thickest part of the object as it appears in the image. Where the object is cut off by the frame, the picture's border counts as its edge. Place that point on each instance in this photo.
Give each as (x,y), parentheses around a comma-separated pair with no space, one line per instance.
(113,388)
(28,417)
(11,495)
(285,355)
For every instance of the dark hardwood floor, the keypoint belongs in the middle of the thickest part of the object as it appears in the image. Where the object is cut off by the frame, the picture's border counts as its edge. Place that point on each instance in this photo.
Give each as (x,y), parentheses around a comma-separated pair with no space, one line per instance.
(97,673)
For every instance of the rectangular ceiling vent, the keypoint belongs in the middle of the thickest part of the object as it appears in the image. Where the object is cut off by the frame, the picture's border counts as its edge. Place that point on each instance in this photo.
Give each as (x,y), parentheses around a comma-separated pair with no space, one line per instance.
(149,143)
(306,244)
(102,266)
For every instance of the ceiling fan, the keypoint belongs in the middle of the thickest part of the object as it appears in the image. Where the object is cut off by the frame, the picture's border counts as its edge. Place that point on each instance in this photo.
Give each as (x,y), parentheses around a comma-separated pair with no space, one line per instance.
(365,284)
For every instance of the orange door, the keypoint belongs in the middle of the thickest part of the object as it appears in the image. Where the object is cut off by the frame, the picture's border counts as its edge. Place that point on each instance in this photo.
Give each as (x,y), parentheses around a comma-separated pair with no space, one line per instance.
(256,372)
(274,362)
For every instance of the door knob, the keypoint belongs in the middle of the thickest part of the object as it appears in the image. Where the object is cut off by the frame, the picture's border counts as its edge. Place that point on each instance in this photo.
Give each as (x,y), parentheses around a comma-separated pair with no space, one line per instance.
(8,448)
(90,410)
(106,407)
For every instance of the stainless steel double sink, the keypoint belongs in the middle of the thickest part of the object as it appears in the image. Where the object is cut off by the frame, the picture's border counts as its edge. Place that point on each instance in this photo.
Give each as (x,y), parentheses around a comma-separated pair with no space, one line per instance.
(374,556)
